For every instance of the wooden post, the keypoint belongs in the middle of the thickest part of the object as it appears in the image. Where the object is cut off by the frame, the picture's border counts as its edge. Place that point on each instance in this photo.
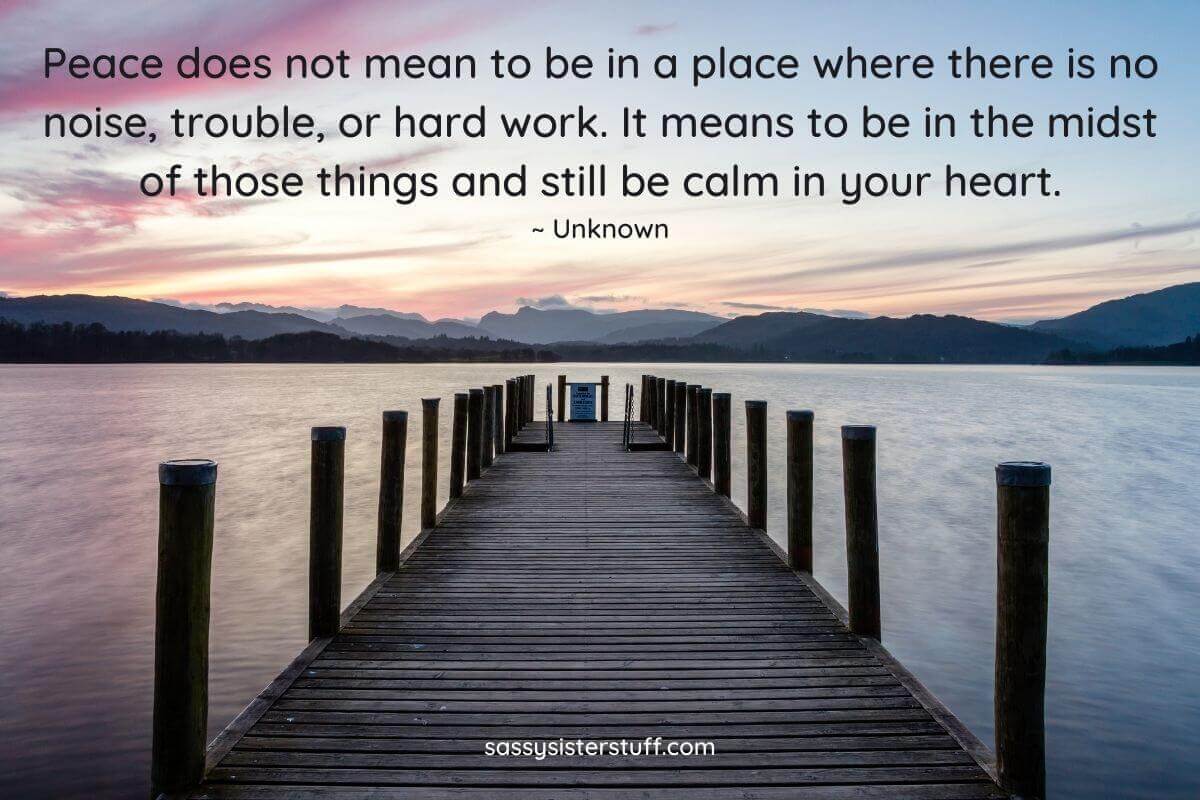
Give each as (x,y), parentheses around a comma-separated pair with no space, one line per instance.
(704,410)
(1022,599)
(562,398)
(458,444)
(186,499)
(518,398)
(660,402)
(756,463)
(721,416)
(679,436)
(530,391)
(862,529)
(604,398)
(655,404)
(485,429)
(325,531)
(642,401)
(429,461)
(669,414)
(652,388)
(651,382)
(693,425)
(391,491)
(498,422)
(474,434)
(513,395)
(800,490)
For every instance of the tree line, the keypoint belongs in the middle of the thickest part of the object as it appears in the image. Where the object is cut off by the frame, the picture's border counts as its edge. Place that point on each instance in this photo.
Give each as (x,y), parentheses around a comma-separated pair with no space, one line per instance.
(68,343)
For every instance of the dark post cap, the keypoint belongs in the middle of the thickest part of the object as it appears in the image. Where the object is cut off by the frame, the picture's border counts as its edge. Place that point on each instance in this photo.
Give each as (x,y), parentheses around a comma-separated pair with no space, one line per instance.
(1023,473)
(721,395)
(756,404)
(187,472)
(475,391)
(430,401)
(395,416)
(330,433)
(463,395)
(859,432)
(800,416)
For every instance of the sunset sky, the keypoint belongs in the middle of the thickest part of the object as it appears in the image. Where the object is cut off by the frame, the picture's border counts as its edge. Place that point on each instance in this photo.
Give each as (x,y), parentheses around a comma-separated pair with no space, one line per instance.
(72,220)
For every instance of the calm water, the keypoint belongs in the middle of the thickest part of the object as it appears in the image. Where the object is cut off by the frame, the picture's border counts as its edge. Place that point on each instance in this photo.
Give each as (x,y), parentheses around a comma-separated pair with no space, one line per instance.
(79,445)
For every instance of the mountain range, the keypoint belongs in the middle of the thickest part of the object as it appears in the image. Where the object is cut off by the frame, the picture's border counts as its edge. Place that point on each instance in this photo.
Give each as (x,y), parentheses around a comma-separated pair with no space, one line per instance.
(1156,318)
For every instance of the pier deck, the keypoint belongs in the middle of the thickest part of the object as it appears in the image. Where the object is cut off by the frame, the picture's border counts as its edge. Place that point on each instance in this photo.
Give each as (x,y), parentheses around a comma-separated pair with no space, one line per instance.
(592,593)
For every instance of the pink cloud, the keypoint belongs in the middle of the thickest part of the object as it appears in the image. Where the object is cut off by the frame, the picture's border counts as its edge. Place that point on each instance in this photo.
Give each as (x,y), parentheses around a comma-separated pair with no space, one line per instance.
(274,28)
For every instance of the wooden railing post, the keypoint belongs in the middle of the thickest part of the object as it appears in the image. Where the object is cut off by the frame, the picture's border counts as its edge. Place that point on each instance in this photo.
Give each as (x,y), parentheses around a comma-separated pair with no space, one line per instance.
(325,531)
(651,401)
(186,501)
(1022,601)
(604,398)
(474,434)
(663,407)
(485,429)
(498,419)
(643,400)
(693,425)
(391,491)
(654,409)
(655,404)
(513,386)
(429,461)
(721,416)
(530,397)
(562,398)
(862,529)
(679,436)
(668,427)
(518,405)
(800,490)
(458,444)
(756,463)
(704,412)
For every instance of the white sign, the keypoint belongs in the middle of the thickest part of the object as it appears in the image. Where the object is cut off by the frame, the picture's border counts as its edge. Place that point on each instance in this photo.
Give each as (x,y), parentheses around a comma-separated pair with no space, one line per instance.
(583,401)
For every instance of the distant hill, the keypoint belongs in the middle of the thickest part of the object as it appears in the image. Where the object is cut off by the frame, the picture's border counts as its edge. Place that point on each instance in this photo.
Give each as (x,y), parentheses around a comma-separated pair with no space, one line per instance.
(126,314)
(319,314)
(543,326)
(922,338)
(750,331)
(350,312)
(406,326)
(1155,318)
(656,331)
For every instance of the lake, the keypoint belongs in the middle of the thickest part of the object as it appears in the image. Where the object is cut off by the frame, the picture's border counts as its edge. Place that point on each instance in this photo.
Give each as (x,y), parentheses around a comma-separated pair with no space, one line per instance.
(79,446)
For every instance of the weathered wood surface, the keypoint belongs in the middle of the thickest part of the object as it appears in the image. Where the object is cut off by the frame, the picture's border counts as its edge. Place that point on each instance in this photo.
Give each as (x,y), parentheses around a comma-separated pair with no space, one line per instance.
(591,593)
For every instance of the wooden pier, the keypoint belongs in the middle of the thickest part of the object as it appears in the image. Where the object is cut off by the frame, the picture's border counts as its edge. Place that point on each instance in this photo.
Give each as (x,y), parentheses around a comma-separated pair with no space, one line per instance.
(599,594)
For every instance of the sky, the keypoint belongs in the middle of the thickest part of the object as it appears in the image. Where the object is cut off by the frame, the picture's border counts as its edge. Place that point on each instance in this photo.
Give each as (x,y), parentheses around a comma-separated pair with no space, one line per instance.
(72,218)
